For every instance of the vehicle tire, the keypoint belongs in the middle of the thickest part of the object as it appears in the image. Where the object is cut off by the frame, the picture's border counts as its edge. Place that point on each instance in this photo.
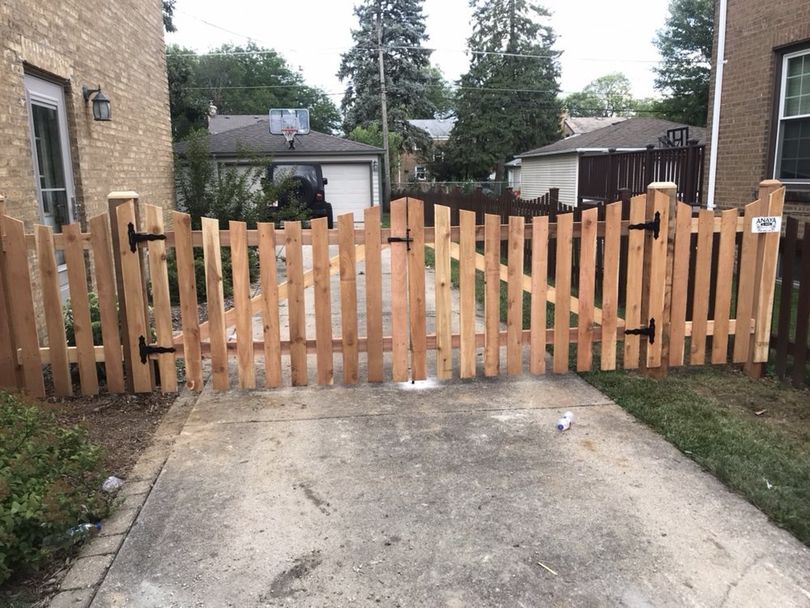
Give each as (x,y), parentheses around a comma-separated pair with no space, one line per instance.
(329,217)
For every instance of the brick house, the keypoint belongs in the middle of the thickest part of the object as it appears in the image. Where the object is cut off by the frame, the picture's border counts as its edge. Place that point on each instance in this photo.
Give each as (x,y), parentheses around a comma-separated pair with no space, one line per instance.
(764,124)
(58,164)
(412,165)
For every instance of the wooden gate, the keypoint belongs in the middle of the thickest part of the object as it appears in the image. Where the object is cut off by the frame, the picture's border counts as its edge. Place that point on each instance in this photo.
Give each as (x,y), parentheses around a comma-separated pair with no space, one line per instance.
(497,298)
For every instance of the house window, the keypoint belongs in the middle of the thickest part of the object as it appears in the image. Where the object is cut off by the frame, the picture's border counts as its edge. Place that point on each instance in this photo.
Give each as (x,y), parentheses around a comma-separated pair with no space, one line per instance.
(793,138)
(421,173)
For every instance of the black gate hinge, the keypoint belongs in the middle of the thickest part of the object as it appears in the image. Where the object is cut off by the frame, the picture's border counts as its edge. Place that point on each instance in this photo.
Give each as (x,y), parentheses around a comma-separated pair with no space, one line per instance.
(139,237)
(648,331)
(402,239)
(654,225)
(144,350)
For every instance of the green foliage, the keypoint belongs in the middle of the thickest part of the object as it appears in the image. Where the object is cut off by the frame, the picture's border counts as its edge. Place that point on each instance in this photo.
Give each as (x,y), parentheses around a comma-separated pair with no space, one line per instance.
(507,103)
(95,320)
(168,15)
(608,95)
(239,80)
(440,93)
(50,480)
(371,134)
(408,73)
(685,44)
(199,273)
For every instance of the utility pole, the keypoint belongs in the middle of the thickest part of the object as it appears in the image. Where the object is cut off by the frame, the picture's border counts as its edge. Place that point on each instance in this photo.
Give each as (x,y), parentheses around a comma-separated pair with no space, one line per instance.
(384,106)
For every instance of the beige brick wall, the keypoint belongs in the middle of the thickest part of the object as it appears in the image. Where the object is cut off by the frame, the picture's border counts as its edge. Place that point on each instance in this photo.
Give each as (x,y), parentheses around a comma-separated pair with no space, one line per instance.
(118,45)
(755,30)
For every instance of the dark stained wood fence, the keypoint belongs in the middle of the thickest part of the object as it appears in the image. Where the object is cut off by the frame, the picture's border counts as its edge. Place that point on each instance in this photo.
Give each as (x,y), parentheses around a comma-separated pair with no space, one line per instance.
(789,341)
(603,176)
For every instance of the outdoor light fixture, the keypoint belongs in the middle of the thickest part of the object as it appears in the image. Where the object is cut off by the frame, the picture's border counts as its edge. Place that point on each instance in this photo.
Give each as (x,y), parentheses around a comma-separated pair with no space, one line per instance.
(101,104)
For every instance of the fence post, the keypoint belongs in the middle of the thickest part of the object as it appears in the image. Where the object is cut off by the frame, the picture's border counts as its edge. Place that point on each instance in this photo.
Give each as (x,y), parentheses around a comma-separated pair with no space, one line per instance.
(771,203)
(132,295)
(9,370)
(649,165)
(690,186)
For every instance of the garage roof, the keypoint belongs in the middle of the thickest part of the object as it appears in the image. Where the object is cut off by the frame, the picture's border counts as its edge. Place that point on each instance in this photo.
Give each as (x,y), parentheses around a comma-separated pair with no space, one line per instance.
(256,138)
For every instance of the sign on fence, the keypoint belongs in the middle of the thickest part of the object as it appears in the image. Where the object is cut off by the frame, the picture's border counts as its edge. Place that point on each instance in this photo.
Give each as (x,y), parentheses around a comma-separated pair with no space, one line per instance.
(766,223)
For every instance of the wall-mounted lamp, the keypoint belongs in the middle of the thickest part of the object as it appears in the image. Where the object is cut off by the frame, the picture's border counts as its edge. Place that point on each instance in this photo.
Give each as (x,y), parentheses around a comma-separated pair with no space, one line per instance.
(101,104)
(374,165)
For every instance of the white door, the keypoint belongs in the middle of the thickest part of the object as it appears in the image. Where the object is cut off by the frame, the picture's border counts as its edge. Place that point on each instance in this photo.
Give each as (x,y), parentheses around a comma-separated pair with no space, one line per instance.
(50,151)
(349,188)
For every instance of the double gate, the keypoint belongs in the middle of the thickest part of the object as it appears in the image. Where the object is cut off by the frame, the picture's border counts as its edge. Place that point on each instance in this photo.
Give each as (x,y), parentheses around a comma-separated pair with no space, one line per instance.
(497,298)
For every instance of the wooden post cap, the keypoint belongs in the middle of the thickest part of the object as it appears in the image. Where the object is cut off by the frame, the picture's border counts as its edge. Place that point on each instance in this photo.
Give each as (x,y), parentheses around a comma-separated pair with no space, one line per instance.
(663,186)
(123,195)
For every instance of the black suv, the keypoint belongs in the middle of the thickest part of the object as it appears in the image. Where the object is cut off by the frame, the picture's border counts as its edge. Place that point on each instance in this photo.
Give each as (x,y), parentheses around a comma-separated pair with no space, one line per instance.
(306,184)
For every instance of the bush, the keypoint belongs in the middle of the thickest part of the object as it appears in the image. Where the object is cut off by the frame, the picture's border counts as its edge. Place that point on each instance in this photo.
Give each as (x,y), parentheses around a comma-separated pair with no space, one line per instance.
(199,273)
(95,320)
(50,480)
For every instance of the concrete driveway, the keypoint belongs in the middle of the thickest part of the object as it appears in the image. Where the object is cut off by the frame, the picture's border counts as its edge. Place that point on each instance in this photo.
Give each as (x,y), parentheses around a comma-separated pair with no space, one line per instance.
(460,494)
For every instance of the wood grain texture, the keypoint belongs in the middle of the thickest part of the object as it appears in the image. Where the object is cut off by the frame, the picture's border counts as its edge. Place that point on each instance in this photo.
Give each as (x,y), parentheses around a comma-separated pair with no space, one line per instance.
(416,288)
(323,300)
(466,277)
(52,309)
(703,276)
(539,285)
(189,309)
(216,303)
(492,293)
(399,293)
(348,298)
(10,372)
(444,349)
(514,297)
(269,304)
(161,301)
(295,305)
(723,285)
(80,308)
(610,285)
(562,304)
(747,279)
(767,284)
(374,303)
(240,272)
(635,268)
(587,289)
(658,277)
(680,283)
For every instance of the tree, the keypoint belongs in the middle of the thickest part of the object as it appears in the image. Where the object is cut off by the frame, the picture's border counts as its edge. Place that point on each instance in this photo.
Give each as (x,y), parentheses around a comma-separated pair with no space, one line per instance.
(507,101)
(685,44)
(407,69)
(371,134)
(168,15)
(608,95)
(240,80)
(440,93)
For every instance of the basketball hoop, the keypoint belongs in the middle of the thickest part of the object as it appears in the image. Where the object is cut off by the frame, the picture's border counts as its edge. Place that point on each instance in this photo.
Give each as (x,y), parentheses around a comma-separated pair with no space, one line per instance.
(289,134)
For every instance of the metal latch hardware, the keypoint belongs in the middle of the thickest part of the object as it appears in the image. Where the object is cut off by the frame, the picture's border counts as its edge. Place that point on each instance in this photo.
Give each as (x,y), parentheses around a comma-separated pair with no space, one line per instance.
(144,350)
(648,331)
(654,225)
(139,237)
(402,239)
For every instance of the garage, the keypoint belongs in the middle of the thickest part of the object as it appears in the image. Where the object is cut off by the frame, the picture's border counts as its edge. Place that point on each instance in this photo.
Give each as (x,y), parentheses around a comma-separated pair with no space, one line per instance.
(349,188)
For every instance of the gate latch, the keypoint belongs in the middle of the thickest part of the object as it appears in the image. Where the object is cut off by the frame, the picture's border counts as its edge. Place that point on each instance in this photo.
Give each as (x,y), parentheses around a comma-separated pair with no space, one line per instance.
(139,237)
(402,239)
(654,225)
(144,350)
(648,331)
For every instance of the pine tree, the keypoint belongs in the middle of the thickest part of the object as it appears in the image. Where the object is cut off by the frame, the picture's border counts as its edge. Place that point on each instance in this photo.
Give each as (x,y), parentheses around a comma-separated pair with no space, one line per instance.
(507,101)
(407,73)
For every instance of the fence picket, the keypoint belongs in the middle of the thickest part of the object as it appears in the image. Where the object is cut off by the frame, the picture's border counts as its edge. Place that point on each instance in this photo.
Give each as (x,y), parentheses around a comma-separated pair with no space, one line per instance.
(269,301)
(52,309)
(514,297)
(80,307)
(767,286)
(240,271)
(295,308)
(373,278)
(444,347)
(635,266)
(610,285)
(187,288)
(348,298)
(703,269)
(399,292)
(680,283)
(9,370)
(416,288)
(660,274)
(562,301)
(215,299)
(786,294)
(722,285)
(745,290)
(323,300)
(587,288)
(492,294)
(466,277)
(537,357)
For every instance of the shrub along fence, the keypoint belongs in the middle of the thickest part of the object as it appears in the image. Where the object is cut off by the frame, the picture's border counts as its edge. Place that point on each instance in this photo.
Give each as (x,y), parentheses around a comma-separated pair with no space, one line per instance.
(791,330)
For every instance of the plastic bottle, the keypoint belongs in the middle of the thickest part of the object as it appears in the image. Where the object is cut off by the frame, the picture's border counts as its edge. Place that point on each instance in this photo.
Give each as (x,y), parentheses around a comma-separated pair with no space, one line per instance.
(73,535)
(564,423)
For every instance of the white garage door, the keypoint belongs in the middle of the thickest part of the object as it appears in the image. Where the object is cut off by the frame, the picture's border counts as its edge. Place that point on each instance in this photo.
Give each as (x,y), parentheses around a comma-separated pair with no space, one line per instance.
(349,188)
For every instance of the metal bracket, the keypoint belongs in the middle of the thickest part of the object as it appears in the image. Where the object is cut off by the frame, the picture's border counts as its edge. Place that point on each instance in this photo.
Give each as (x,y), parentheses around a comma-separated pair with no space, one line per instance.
(139,237)
(648,331)
(144,350)
(654,225)
(402,239)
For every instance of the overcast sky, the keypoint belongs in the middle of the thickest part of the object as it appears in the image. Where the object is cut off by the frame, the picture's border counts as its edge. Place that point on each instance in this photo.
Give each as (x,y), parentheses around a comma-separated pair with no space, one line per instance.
(596,37)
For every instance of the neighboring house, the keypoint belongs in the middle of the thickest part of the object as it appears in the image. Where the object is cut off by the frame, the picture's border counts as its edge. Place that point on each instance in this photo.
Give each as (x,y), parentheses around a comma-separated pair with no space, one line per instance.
(513,168)
(58,164)
(578,125)
(351,168)
(764,126)
(557,165)
(412,166)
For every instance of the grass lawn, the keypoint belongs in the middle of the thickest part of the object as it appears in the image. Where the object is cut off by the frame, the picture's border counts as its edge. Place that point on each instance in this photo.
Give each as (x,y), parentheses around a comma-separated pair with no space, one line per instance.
(754,435)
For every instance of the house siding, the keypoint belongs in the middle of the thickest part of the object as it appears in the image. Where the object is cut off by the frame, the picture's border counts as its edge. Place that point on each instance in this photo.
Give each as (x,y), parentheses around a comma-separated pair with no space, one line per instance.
(540,173)
(755,30)
(118,45)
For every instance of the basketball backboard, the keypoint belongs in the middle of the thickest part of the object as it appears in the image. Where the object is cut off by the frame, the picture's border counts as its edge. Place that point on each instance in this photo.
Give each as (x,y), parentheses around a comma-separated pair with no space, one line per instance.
(289,118)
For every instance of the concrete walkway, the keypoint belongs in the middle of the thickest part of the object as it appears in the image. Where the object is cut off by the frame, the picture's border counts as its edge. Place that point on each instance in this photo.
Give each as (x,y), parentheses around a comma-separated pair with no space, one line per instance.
(461,494)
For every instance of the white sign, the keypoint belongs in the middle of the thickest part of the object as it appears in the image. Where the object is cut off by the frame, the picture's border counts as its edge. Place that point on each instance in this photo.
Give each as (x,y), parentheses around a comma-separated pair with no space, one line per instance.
(766,223)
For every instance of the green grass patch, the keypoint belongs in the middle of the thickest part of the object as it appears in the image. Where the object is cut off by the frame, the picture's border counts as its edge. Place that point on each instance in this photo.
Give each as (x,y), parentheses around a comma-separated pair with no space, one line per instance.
(711,414)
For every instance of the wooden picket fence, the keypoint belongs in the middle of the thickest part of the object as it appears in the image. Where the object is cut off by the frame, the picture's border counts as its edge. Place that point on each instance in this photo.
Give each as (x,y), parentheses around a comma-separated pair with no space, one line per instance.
(122,257)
